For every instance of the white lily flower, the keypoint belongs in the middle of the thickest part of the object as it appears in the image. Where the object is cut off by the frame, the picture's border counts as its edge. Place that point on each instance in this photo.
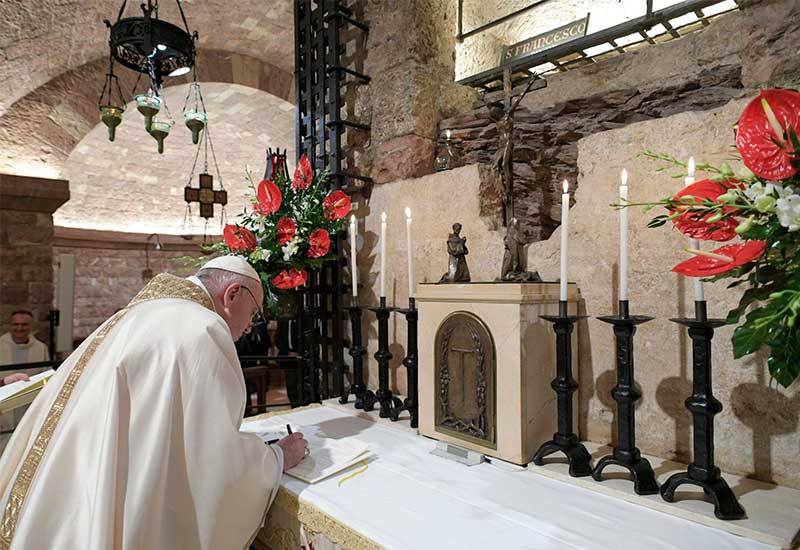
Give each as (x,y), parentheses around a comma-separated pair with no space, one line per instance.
(290,248)
(788,210)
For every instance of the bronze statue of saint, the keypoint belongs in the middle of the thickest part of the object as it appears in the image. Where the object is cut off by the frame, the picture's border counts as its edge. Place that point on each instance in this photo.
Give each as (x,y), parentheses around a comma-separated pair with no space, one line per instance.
(457,270)
(513,268)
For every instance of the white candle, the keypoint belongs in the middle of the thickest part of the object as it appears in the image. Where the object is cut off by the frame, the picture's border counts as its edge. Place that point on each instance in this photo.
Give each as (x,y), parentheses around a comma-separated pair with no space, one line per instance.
(447,134)
(353,228)
(410,254)
(699,296)
(623,237)
(383,255)
(564,242)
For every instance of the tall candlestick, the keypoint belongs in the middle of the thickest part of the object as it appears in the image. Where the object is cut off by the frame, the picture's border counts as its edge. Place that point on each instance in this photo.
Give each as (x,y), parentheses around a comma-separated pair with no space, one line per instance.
(699,296)
(383,255)
(564,242)
(410,254)
(623,237)
(353,272)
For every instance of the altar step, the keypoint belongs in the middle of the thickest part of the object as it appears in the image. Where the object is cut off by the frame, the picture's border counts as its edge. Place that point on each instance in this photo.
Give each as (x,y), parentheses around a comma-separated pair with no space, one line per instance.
(773,511)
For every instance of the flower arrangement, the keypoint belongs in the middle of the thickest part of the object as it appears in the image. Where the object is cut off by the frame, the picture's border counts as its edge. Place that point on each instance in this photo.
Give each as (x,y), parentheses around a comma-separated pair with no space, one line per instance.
(289,228)
(761,206)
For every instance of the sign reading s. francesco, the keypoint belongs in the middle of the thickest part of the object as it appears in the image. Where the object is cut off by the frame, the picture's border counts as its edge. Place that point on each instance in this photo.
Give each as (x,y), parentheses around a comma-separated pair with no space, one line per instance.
(546,40)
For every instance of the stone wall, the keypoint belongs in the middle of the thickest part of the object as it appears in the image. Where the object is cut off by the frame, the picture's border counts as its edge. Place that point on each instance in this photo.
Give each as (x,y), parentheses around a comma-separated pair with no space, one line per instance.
(758,432)
(110,268)
(26,246)
(436,201)
(410,60)
(702,70)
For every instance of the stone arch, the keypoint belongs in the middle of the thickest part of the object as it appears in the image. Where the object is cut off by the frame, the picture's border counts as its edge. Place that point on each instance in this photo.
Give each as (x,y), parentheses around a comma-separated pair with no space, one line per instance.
(42,40)
(38,132)
(128,186)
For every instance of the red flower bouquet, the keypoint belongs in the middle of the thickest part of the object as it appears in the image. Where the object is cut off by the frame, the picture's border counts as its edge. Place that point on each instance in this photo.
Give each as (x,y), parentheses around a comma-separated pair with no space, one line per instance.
(288,232)
(761,206)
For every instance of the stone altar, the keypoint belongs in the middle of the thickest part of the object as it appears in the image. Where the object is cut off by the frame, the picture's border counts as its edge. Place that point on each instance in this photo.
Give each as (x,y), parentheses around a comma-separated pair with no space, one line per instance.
(486,360)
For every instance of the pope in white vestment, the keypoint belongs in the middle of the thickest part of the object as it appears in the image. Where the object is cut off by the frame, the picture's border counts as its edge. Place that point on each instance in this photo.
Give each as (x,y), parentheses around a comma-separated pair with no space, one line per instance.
(135,442)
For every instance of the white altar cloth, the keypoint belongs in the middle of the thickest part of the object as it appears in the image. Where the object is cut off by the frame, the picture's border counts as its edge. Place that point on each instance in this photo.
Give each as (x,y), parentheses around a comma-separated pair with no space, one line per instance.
(410,499)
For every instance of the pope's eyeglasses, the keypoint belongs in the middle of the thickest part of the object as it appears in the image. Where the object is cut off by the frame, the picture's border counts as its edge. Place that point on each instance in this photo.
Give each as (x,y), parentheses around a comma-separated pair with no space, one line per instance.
(258,316)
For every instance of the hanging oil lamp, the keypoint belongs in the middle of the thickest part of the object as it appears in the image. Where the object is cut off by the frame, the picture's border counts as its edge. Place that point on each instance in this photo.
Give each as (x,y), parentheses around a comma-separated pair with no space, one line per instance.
(159,128)
(195,117)
(149,105)
(111,108)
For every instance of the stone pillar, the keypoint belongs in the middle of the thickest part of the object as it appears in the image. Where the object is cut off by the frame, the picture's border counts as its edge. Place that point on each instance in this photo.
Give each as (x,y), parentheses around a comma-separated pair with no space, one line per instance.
(26,246)
(410,57)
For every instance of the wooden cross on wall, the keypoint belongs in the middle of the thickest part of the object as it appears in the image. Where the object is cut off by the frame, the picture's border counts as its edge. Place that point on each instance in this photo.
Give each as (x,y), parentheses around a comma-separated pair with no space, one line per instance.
(205,195)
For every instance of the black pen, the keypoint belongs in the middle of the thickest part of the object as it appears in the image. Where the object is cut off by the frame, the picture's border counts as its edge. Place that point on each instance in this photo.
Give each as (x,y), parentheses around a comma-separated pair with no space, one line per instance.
(289,429)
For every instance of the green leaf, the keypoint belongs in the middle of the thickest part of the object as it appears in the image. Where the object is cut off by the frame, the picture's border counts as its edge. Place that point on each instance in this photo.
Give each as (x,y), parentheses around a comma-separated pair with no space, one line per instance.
(747,340)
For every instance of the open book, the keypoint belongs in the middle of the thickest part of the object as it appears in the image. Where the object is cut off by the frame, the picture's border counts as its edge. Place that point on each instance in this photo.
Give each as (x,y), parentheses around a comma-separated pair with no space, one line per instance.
(327,456)
(23,392)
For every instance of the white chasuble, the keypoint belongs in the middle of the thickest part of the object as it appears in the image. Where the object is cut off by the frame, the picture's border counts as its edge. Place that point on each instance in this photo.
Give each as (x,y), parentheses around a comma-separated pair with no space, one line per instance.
(135,442)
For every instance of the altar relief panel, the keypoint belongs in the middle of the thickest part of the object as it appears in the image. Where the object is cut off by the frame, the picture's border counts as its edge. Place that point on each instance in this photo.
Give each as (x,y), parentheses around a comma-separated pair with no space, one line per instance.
(466,370)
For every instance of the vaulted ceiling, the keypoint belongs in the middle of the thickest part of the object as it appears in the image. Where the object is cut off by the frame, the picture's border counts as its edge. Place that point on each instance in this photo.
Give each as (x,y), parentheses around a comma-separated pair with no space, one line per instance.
(42,39)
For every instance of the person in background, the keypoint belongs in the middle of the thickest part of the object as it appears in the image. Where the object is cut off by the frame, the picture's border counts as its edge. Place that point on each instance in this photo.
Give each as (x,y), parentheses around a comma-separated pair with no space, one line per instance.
(20,346)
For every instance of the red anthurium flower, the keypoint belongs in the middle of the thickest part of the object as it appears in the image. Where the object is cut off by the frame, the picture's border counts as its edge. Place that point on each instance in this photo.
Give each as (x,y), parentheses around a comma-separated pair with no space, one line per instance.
(239,239)
(303,174)
(298,277)
(762,134)
(286,230)
(703,266)
(269,198)
(283,280)
(319,242)
(694,225)
(336,205)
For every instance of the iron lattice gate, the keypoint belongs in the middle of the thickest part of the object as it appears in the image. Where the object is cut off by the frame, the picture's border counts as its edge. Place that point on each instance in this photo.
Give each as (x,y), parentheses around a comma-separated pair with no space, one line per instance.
(329,43)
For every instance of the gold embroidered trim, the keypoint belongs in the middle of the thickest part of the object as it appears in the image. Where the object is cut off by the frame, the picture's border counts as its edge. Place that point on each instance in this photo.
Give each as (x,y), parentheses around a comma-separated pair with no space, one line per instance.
(165,285)
(22,483)
(162,286)
(317,521)
(276,538)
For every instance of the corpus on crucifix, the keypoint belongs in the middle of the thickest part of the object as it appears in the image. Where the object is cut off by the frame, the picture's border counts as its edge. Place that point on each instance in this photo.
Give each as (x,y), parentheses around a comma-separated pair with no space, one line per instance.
(502,113)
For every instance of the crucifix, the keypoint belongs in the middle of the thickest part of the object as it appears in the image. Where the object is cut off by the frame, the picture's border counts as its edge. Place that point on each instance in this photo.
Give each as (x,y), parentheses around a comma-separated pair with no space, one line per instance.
(205,195)
(502,113)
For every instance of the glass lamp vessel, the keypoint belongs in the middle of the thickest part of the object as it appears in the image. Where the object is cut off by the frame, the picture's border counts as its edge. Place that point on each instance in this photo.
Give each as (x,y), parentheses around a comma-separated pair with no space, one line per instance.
(446,157)
(111,108)
(195,117)
(149,105)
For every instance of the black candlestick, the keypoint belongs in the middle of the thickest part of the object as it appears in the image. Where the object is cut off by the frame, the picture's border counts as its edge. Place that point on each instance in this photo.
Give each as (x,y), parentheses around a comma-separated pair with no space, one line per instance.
(564,439)
(357,352)
(384,395)
(411,403)
(626,454)
(703,406)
